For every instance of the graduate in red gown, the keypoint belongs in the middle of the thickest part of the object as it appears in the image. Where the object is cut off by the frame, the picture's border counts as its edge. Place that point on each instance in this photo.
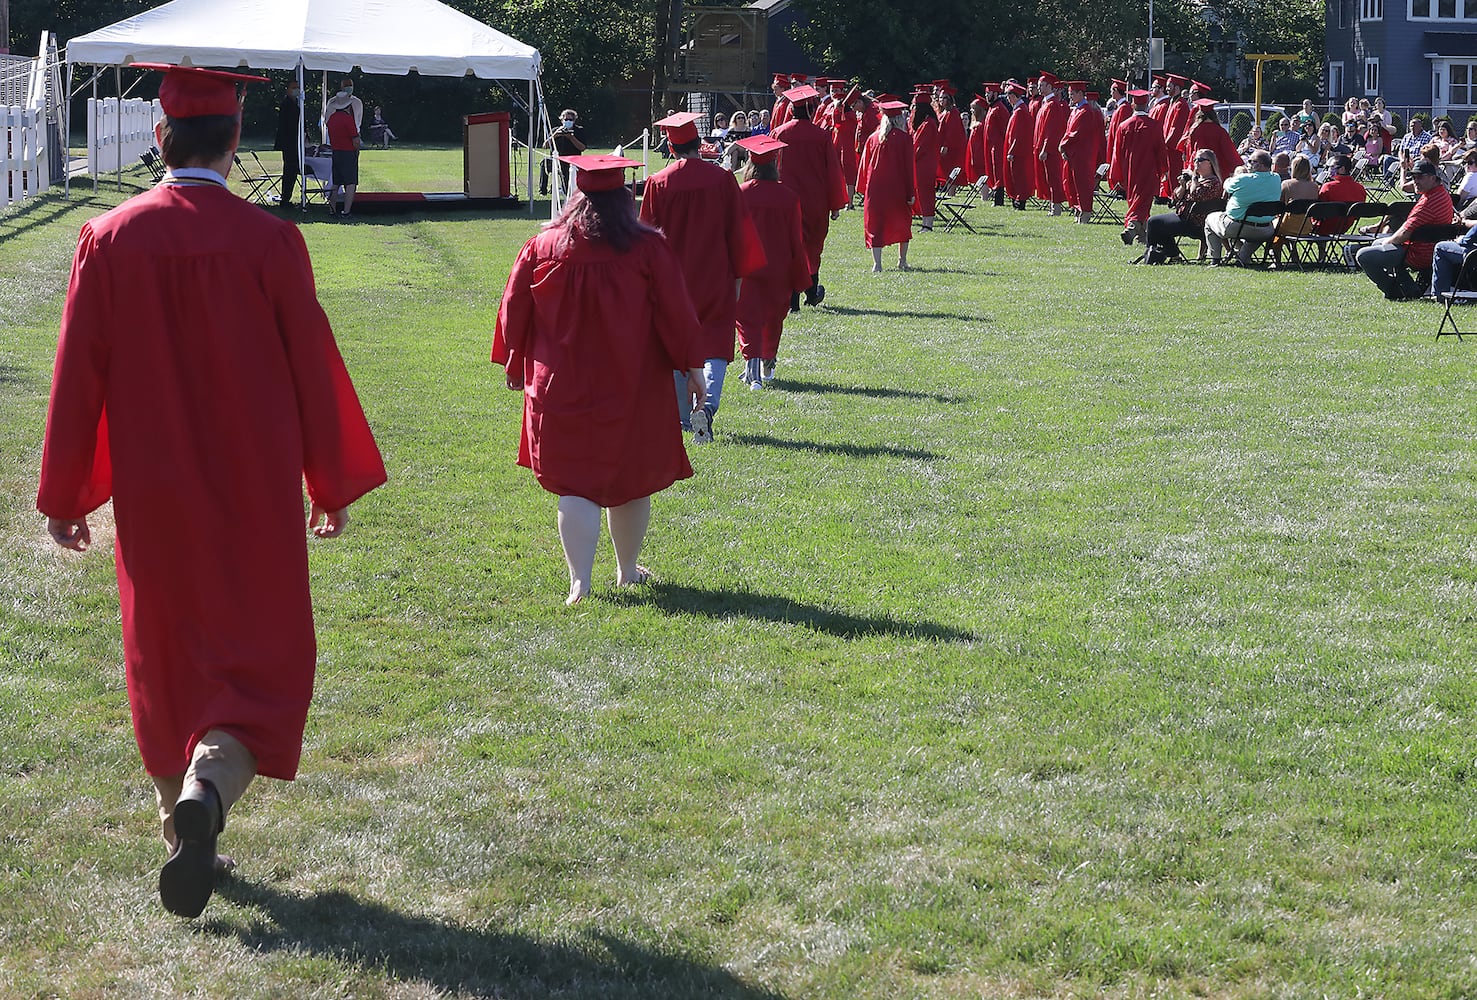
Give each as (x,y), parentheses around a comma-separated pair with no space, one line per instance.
(925,129)
(975,166)
(845,122)
(869,117)
(811,168)
(1051,124)
(1175,121)
(780,113)
(766,295)
(1020,163)
(1118,117)
(198,385)
(885,179)
(1206,132)
(1079,148)
(1142,158)
(952,138)
(996,120)
(594,320)
(697,206)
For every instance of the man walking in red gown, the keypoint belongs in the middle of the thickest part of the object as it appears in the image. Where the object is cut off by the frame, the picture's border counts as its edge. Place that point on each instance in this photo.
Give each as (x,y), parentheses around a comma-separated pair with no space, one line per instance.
(198,385)
(811,167)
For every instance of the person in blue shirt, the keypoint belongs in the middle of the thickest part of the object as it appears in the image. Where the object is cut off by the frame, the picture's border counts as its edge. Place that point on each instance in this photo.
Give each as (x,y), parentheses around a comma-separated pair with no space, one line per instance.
(1246,187)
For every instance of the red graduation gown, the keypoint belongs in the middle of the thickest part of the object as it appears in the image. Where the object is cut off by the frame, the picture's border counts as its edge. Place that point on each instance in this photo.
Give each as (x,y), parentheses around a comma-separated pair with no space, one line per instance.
(811,167)
(974,154)
(1176,121)
(197,382)
(951,138)
(1051,124)
(780,113)
(596,335)
(1120,115)
(885,180)
(925,166)
(697,205)
(871,118)
(1080,144)
(1020,169)
(765,298)
(1142,157)
(843,136)
(1212,136)
(995,122)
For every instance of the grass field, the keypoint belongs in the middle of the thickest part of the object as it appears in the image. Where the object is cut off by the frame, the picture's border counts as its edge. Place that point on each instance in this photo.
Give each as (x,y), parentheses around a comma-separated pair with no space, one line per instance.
(1053,628)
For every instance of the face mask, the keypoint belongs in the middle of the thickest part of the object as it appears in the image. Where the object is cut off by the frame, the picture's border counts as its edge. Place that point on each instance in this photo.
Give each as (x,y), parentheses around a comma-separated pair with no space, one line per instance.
(348,91)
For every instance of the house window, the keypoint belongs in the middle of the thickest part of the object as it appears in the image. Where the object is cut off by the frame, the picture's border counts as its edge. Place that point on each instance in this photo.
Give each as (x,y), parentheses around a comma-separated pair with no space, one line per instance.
(1442,10)
(1371,76)
(1374,10)
(1336,81)
(1336,15)
(1461,84)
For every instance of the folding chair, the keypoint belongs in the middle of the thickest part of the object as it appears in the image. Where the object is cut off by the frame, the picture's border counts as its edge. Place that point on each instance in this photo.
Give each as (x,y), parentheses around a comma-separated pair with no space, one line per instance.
(1105,203)
(263,185)
(153,164)
(1464,290)
(1292,221)
(1320,212)
(321,187)
(955,200)
(1261,210)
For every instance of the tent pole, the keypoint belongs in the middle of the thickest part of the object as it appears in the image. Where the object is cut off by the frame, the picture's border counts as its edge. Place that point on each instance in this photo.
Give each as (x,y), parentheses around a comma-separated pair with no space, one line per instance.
(66,114)
(118,127)
(531,116)
(302,152)
(93,133)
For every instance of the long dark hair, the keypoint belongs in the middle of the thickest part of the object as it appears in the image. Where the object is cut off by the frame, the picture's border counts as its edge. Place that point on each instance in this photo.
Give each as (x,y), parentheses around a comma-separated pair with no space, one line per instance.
(922,112)
(607,217)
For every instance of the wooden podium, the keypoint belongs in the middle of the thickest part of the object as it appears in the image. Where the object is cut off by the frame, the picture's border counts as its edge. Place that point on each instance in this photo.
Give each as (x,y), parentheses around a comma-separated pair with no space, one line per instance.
(485,149)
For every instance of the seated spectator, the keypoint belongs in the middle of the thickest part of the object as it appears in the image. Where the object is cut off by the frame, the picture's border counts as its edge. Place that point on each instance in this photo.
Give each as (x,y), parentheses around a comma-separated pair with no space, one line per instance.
(1350,141)
(1378,113)
(378,129)
(1199,190)
(1374,151)
(1341,187)
(1286,138)
(1446,138)
(1307,116)
(1415,137)
(1248,186)
(1447,256)
(763,127)
(1430,153)
(1351,110)
(1254,141)
(738,127)
(1389,260)
(1467,191)
(1282,165)
(1469,140)
(734,156)
(1298,187)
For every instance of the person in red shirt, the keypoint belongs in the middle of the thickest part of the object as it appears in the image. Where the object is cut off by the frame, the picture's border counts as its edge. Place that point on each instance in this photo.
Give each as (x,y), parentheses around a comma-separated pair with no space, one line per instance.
(1020,163)
(1079,149)
(768,293)
(594,320)
(1141,157)
(1389,260)
(342,124)
(811,168)
(198,385)
(697,206)
(1339,187)
(885,179)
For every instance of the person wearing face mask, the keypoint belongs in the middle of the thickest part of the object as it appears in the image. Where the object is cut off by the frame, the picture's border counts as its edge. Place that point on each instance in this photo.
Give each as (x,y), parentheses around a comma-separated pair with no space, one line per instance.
(342,118)
(567,139)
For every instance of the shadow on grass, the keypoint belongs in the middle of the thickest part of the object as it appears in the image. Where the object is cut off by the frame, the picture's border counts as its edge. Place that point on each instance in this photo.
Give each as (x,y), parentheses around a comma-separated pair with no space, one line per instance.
(466,960)
(679,599)
(832,448)
(911,315)
(10,374)
(43,210)
(872,392)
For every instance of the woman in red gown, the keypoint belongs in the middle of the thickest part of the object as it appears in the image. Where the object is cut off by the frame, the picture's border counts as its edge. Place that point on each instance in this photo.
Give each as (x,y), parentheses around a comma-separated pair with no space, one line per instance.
(885,182)
(765,296)
(925,128)
(594,320)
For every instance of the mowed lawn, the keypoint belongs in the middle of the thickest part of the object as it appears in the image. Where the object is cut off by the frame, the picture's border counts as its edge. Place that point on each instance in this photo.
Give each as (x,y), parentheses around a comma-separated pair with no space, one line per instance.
(1051,628)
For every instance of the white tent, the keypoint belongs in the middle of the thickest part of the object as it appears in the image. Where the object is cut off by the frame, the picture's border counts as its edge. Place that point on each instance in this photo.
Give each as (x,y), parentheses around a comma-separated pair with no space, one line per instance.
(391,37)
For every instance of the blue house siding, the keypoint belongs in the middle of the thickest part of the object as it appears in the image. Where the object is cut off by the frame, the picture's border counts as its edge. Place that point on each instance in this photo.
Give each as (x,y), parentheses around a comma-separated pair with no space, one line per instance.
(1424,63)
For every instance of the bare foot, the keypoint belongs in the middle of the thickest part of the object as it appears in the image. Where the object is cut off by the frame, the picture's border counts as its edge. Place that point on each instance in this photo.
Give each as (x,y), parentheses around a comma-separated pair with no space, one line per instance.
(577,593)
(642,575)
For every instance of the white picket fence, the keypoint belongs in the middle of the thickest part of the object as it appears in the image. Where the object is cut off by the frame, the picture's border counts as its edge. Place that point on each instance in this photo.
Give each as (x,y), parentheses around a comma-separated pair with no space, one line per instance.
(23,166)
(119,132)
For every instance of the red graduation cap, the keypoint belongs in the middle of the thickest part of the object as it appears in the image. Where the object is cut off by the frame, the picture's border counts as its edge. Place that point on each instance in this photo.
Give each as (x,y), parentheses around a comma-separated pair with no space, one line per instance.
(852,94)
(600,173)
(1119,83)
(1158,78)
(1075,85)
(761,148)
(838,86)
(822,82)
(1176,79)
(991,87)
(681,127)
(1197,85)
(1013,87)
(1206,102)
(1140,96)
(798,78)
(888,97)
(1093,95)
(802,93)
(946,87)
(783,78)
(191,92)
(1048,76)
(891,108)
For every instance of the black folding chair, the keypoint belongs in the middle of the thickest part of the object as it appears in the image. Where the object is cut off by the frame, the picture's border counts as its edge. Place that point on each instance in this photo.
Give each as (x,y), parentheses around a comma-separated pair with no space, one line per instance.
(1258,210)
(262,185)
(153,164)
(1465,290)
(1350,242)
(1320,214)
(1292,220)
(1105,202)
(954,201)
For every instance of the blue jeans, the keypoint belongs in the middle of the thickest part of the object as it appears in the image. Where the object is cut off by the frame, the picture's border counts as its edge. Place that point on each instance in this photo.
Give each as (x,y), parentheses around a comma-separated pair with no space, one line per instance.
(1385,266)
(713,371)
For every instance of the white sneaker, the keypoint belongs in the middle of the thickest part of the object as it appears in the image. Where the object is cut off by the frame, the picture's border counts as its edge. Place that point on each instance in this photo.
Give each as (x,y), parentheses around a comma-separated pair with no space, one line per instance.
(702,427)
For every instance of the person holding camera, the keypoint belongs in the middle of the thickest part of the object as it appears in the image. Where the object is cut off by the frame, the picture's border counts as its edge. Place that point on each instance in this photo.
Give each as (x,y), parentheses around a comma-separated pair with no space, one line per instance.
(1198,191)
(567,139)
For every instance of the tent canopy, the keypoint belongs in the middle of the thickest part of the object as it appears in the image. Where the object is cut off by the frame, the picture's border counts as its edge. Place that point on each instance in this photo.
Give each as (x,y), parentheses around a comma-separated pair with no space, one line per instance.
(390,37)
